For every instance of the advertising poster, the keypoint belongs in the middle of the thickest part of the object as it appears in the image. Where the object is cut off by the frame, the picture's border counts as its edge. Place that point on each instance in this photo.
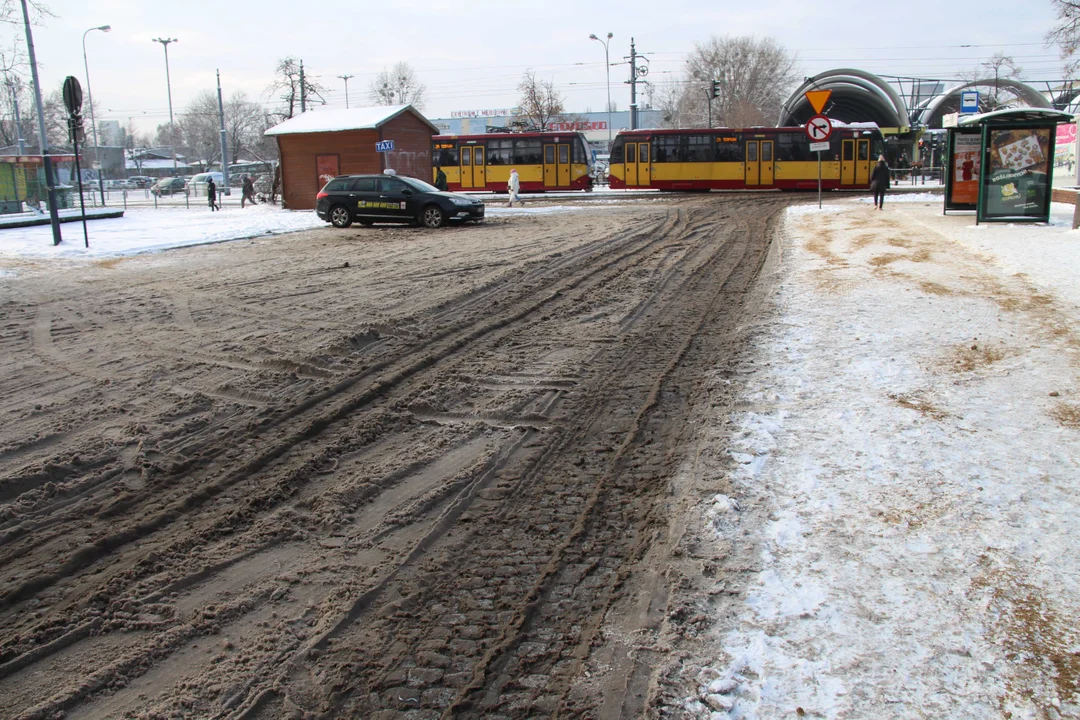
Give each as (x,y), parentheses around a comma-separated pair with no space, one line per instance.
(1017,183)
(966,172)
(326,167)
(1065,147)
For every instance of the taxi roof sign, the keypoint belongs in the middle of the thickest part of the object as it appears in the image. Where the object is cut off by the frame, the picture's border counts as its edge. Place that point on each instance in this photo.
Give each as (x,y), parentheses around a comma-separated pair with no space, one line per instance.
(818,98)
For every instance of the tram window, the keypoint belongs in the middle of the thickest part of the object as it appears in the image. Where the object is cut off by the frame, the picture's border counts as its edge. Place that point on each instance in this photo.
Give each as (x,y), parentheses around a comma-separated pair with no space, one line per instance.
(549,154)
(528,152)
(631,153)
(667,148)
(849,150)
(751,151)
(500,152)
(864,149)
(699,148)
(643,152)
(466,156)
(729,152)
(792,147)
(766,152)
(447,158)
(616,153)
(564,154)
(579,154)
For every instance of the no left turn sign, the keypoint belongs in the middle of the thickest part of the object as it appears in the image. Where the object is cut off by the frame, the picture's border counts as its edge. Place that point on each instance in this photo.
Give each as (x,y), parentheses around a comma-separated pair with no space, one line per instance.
(818,128)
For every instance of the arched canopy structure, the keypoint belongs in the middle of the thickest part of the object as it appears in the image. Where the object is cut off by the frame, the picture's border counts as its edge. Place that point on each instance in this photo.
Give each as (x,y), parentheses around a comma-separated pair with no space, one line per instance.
(930,115)
(857,96)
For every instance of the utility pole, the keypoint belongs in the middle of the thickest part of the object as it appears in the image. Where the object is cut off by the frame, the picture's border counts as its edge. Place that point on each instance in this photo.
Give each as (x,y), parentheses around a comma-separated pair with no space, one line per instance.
(224,141)
(346,79)
(303,94)
(50,184)
(168,86)
(635,73)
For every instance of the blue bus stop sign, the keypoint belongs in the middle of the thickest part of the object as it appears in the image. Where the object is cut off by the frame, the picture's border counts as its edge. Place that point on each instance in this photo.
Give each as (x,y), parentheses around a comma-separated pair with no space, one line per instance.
(969,101)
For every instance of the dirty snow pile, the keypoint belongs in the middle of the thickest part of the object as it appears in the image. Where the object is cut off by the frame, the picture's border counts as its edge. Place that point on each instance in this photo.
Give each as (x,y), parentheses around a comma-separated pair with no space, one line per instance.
(907,461)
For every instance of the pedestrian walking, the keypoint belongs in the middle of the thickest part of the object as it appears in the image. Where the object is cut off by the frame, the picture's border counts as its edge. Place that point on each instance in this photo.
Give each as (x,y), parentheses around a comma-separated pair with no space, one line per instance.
(211,194)
(247,195)
(513,187)
(879,182)
(440,178)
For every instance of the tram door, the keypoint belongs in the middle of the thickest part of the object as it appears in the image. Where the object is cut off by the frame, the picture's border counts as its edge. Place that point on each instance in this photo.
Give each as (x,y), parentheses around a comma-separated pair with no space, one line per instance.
(556,165)
(855,162)
(473,170)
(759,163)
(637,163)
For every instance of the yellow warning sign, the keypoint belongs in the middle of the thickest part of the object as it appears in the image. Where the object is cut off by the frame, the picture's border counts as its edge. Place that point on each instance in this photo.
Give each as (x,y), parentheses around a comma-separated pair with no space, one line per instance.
(818,98)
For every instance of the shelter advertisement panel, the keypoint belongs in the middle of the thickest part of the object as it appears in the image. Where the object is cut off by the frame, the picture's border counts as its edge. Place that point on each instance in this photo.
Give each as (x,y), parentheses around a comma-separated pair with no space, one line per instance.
(1065,147)
(965,170)
(1017,183)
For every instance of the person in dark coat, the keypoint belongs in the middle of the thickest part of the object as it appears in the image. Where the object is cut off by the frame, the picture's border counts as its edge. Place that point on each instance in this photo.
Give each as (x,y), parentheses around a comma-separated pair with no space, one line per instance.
(440,177)
(248,193)
(879,182)
(211,194)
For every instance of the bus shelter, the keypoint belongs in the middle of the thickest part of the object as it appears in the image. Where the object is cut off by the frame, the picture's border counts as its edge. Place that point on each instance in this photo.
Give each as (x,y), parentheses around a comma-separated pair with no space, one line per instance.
(1000,164)
(22,180)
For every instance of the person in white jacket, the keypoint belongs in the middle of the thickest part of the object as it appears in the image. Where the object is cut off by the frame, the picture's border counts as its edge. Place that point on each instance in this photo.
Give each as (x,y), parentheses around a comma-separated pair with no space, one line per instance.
(512,188)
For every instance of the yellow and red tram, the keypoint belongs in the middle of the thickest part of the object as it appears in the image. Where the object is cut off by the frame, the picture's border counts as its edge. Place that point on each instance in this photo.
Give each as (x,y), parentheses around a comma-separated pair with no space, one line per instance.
(743,159)
(544,161)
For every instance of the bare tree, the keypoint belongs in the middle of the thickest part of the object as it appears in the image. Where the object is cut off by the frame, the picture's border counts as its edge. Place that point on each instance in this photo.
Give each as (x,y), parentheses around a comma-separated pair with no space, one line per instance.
(1066,34)
(287,88)
(198,129)
(397,86)
(540,104)
(243,124)
(988,76)
(754,79)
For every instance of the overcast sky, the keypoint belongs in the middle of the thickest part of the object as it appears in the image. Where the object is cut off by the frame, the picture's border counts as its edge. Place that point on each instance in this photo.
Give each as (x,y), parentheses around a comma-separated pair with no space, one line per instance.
(471,54)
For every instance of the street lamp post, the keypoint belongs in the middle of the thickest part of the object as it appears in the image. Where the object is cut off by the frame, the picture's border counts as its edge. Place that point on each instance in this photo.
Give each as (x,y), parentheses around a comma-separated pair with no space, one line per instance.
(346,79)
(168,86)
(93,122)
(607,68)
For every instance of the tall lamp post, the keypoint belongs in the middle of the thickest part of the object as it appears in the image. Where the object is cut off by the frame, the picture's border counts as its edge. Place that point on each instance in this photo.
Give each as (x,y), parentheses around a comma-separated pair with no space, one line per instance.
(346,79)
(93,122)
(168,86)
(607,68)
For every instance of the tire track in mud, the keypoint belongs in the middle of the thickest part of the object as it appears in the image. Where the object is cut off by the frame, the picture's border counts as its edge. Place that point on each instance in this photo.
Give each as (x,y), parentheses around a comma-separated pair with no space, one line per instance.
(597,424)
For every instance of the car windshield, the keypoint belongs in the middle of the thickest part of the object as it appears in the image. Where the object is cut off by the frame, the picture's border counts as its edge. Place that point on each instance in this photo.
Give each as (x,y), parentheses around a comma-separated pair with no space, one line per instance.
(419,184)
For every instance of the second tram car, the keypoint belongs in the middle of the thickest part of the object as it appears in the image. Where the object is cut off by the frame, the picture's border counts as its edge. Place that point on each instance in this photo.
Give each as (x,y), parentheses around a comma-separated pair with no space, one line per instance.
(544,161)
(745,159)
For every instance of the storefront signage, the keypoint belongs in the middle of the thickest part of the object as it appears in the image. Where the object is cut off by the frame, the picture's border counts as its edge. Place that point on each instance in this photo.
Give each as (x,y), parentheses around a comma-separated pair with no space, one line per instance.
(504,112)
(578,126)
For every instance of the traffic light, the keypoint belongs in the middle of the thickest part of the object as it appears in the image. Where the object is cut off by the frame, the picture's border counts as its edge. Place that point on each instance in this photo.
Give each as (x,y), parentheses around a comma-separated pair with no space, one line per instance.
(715,89)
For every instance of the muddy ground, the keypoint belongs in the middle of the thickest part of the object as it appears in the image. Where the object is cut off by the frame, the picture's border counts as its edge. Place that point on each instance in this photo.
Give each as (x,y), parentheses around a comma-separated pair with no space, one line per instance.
(368,473)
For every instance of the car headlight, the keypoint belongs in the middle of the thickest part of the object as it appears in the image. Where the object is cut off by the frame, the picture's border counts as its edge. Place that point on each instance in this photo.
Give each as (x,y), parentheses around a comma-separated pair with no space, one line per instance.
(462,202)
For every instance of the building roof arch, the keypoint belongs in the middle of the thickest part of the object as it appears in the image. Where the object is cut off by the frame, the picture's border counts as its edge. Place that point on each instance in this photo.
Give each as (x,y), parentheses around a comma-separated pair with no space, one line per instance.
(857,96)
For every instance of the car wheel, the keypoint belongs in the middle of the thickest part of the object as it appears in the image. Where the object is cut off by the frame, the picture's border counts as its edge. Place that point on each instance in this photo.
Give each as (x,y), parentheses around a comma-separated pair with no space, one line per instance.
(432,217)
(340,217)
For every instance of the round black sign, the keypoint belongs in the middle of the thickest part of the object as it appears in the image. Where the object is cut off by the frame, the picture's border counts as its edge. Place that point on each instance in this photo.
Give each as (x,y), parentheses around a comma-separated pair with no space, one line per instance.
(72,94)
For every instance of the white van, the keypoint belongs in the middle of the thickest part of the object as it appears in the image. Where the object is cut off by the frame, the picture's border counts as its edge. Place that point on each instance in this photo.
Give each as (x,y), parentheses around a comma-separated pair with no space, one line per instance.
(197,184)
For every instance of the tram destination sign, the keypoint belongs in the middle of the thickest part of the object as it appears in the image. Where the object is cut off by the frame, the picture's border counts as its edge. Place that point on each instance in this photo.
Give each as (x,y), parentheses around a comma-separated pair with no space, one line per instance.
(818,128)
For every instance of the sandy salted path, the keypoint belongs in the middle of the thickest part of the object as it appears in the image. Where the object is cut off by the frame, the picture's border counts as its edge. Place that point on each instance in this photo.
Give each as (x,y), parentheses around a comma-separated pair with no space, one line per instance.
(362,473)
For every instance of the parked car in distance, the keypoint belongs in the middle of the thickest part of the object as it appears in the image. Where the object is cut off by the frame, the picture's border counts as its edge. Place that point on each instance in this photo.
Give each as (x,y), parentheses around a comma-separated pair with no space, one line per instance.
(197,183)
(368,199)
(117,184)
(141,181)
(168,186)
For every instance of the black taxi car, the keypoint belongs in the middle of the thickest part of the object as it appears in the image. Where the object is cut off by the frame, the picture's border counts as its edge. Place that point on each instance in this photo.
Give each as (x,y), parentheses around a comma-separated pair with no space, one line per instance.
(368,199)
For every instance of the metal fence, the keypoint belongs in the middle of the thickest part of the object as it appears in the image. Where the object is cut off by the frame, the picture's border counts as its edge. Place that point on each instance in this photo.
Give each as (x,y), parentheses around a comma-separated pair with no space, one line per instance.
(143,198)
